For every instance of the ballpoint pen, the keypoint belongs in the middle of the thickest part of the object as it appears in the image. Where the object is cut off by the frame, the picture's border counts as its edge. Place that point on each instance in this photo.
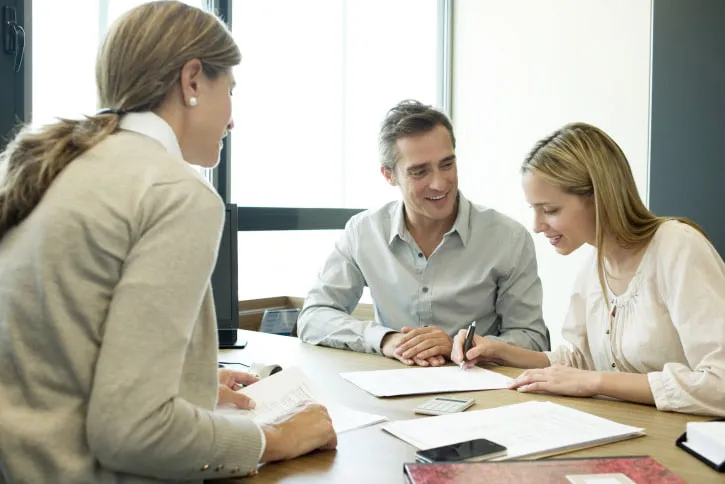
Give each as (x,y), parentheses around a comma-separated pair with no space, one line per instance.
(468,344)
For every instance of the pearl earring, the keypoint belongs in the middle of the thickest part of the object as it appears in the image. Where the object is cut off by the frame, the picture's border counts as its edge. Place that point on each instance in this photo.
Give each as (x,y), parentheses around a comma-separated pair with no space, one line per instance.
(193,101)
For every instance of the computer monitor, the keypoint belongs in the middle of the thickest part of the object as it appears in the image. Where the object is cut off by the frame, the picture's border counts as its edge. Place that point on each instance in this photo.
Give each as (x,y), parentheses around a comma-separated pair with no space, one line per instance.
(224,282)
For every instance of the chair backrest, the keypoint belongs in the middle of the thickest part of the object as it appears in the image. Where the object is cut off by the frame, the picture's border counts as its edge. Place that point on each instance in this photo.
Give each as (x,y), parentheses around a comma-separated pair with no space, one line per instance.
(280,321)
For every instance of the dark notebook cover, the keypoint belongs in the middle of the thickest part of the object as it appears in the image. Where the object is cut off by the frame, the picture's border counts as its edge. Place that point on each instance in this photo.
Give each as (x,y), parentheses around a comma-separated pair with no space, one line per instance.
(639,469)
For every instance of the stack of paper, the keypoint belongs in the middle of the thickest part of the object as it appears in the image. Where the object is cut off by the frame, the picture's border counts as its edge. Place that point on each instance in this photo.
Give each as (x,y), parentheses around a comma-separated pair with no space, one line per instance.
(707,439)
(279,393)
(412,381)
(526,429)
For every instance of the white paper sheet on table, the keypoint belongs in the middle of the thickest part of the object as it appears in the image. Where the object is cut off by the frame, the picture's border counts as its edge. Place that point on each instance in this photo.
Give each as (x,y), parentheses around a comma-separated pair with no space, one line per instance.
(526,429)
(282,391)
(412,381)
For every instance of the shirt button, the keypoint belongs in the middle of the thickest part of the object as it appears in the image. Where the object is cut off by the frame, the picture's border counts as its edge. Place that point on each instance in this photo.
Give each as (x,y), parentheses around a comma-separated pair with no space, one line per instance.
(607,331)
(425,289)
(420,254)
(614,365)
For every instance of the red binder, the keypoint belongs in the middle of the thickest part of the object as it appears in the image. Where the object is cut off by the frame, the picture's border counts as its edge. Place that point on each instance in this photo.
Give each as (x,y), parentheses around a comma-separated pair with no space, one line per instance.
(637,469)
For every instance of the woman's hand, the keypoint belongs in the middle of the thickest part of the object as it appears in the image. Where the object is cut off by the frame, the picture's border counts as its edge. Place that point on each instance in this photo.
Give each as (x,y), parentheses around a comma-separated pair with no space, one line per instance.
(558,379)
(488,350)
(229,382)
(483,350)
(305,428)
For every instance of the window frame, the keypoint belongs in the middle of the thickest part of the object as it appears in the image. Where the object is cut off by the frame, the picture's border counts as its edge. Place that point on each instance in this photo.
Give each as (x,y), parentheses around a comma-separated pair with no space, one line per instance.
(16,93)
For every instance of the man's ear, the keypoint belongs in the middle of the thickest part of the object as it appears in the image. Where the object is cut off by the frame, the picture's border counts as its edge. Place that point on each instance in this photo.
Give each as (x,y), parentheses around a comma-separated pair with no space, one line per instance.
(389,176)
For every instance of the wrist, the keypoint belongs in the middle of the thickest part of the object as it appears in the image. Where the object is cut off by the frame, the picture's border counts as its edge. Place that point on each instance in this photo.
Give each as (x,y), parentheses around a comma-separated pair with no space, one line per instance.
(386,344)
(597,382)
(497,351)
(276,441)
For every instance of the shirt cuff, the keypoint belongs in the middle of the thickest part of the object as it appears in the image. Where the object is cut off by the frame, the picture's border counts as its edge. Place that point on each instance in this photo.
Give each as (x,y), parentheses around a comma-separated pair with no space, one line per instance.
(374,338)
(263,439)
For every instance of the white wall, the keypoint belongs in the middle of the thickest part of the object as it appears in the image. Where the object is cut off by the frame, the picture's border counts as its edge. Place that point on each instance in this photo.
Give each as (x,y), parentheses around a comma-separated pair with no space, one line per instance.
(521,69)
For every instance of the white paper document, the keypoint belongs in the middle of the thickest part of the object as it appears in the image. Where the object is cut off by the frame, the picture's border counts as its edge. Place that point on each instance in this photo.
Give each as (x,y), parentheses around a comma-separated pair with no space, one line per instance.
(526,429)
(282,391)
(413,381)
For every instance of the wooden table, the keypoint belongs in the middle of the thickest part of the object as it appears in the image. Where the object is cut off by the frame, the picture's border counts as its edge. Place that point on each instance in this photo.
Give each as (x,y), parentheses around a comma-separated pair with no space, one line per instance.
(372,455)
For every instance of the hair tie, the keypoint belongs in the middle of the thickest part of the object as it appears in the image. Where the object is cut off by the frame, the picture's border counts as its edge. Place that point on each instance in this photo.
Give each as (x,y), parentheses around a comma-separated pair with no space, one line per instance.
(118,112)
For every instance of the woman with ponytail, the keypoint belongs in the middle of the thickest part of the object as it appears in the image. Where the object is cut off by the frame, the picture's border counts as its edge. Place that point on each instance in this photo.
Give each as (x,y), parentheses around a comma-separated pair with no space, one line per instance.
(108,238)
(646,321)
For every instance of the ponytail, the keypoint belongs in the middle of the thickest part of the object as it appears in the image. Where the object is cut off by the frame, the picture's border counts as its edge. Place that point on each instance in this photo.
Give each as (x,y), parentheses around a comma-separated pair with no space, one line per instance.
(33,159)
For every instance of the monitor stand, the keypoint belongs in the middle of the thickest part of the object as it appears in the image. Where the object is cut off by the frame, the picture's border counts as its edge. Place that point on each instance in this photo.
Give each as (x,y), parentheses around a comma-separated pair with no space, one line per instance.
(229,339)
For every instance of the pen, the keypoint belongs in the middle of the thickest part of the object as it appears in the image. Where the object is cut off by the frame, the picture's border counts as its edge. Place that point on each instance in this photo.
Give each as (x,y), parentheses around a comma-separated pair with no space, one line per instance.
(468,344)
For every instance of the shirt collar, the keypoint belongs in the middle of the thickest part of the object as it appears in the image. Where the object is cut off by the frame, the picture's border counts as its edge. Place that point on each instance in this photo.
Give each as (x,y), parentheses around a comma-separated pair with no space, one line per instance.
(151,125)
(460,226)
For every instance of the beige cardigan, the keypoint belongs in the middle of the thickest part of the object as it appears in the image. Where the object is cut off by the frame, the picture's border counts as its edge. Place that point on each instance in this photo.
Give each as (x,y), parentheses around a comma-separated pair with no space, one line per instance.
(107,326)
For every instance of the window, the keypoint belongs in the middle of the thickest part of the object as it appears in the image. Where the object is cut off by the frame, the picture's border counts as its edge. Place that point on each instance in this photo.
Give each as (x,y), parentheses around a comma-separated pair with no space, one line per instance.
(63,72)
(315,82)
(65,41)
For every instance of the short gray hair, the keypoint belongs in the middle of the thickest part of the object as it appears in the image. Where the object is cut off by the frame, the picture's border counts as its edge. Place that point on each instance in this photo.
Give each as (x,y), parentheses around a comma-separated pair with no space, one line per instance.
(408,118)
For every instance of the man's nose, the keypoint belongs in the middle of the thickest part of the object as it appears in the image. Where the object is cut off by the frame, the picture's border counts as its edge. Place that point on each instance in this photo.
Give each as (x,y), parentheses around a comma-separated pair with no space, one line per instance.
(438,181)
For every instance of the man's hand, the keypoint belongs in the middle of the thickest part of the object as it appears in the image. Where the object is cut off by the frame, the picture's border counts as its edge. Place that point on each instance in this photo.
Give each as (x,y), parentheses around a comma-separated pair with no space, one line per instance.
(229,382)
(429,346)
(558,379)
(390,345)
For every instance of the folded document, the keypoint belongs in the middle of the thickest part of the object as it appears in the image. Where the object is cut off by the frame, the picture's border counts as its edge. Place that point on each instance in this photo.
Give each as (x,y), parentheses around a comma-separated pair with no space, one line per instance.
(279,393)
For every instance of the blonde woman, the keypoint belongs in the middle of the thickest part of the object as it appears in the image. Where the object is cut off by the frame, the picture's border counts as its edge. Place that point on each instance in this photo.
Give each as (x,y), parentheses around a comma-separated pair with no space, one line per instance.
(108,237)
(646,321)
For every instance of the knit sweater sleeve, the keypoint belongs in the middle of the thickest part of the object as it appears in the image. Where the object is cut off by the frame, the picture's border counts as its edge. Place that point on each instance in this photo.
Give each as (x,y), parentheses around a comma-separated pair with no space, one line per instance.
(137,423)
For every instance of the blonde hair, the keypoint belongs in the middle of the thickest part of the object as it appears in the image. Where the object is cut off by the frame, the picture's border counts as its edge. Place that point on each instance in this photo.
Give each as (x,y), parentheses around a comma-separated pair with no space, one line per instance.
(138,63)
(583,160)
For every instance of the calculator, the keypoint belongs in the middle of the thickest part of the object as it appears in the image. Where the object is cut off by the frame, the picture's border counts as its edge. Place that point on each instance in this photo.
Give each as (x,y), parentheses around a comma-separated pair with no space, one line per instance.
(443,405)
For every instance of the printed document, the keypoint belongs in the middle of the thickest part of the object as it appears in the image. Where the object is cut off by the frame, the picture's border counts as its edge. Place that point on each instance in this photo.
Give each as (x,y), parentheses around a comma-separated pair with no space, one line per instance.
(526,429)
(412,381)
(282,391)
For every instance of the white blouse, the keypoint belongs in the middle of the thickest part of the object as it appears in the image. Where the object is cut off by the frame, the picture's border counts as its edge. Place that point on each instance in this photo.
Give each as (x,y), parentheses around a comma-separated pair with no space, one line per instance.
(669,324)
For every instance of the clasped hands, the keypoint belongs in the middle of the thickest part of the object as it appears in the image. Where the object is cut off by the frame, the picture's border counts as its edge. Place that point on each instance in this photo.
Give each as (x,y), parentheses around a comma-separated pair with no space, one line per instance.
(428,346)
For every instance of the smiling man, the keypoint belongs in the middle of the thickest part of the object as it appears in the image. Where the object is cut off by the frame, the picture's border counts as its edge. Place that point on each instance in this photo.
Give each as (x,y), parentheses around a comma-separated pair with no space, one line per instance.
(433,261)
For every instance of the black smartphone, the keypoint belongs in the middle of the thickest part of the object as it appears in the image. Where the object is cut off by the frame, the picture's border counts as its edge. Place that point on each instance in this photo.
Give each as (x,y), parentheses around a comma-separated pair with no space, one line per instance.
(469,451)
